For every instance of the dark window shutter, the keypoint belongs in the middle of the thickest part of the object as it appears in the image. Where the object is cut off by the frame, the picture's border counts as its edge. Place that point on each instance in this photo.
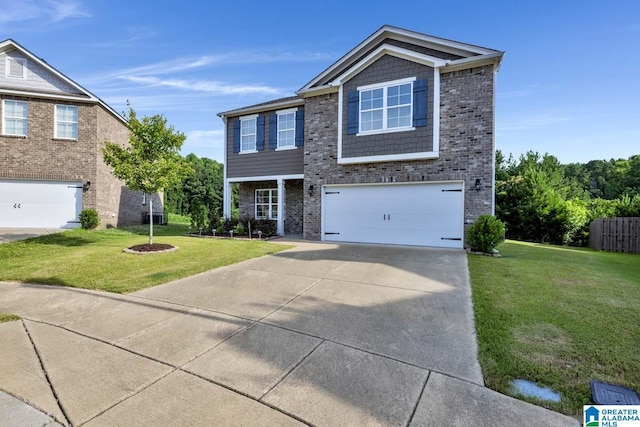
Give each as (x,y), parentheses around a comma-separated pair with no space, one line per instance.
(260,133)
(353,101)
(273,132)
(300,128)
(236,136)
(420,103)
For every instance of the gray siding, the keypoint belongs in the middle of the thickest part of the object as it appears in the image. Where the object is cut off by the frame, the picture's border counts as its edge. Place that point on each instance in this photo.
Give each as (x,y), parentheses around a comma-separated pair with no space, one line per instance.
(386,69)
(263,163)
(38,78)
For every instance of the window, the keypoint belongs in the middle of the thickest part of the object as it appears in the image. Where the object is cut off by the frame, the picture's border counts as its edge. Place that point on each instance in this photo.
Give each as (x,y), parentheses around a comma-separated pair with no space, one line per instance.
(287,129)
(386,107)
(16,68)
(267,204)
(248,134)
(14,118)
(66,122)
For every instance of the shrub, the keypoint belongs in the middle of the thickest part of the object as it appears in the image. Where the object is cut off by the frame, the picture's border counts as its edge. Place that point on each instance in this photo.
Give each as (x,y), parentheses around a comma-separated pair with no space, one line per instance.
(229,224)
(485,234)
(89,219)
(199,215)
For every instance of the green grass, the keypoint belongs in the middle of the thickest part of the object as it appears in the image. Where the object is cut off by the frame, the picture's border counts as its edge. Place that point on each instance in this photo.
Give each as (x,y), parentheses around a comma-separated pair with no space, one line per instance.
(95,260)
(557,316)
(4,317)
(179,219)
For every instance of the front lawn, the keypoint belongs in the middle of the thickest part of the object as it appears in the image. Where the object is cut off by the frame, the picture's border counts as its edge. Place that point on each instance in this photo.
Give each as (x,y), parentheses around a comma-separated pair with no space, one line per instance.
(94,259)
(559,317)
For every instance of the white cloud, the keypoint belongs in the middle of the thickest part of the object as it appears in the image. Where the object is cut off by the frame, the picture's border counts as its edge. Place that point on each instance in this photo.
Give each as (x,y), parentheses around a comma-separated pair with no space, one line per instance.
(43,11)
(533,122)
(205,86)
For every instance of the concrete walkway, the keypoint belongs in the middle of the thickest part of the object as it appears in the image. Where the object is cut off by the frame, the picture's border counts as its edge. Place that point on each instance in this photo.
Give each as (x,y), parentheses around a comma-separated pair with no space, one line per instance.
(322,334)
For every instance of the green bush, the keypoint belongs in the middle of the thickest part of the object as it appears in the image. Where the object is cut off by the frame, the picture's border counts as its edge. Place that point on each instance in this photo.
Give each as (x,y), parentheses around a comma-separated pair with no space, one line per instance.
(485,234)
(89,219)
(199,215)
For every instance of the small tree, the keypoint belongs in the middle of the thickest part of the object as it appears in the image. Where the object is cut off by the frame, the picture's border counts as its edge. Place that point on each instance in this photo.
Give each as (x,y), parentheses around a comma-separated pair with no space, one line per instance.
(152,162)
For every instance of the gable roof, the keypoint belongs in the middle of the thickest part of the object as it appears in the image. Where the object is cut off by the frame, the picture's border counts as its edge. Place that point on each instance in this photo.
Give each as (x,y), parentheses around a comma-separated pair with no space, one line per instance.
(82,94)
(281,103)
(457,55)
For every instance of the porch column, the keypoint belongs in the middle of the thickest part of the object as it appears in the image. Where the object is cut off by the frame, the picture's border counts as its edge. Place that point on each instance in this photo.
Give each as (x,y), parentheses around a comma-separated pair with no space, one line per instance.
(280,222)
(226,199)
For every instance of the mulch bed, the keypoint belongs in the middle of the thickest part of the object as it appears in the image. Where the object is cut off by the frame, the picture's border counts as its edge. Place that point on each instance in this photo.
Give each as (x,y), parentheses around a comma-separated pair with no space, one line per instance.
(150,249)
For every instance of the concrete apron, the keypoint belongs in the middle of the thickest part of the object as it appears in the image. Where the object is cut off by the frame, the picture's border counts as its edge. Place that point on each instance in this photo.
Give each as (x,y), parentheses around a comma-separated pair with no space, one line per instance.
(322,334)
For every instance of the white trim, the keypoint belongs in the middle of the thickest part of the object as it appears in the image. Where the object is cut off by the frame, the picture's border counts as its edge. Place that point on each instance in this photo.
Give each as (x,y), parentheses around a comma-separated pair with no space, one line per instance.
(385,107)
(361,184)
(287,111)
(435,117)
(270,204)
(226,189)
(450,46)
(388,157)
(382,131)
(280,208)
(261,107)
(386,49)
(62,97)
(288,147)
(255,134)
(22,61)
(493,143)
(55,122)
(4,117)
(284,113)
(387,84)
(266,178)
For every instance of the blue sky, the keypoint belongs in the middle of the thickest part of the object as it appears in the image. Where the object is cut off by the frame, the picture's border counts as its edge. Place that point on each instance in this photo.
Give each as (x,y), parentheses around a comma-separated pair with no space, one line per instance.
(568,84)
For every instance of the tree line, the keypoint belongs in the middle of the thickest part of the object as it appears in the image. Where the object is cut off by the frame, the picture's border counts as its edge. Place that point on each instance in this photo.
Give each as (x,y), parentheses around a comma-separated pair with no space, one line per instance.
(542,200)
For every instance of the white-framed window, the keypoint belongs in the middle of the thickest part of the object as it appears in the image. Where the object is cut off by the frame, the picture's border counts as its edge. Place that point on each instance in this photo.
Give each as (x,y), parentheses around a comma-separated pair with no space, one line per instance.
(287,128)
(267,203)
(16,68)
(66,126)
(248,131)
(386,106)
(15,117)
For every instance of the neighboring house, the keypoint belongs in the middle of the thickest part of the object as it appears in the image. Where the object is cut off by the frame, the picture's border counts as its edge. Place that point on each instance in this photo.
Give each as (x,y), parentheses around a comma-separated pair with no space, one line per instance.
(53,131)
(393,143)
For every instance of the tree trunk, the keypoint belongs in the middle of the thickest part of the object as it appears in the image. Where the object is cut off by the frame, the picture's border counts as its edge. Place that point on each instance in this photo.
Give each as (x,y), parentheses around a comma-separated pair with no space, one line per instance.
(151,219)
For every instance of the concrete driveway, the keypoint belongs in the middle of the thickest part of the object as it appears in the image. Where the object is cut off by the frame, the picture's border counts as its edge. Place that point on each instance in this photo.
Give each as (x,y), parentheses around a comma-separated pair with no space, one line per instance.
(322,334)
(11,234)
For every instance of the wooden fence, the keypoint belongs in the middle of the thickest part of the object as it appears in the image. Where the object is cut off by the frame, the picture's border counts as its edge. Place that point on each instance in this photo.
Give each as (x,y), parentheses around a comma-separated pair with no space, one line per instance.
(615,235)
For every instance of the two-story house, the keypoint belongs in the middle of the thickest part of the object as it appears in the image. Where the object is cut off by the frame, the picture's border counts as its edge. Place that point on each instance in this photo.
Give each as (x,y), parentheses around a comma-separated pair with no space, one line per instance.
(52,134)
(393,143)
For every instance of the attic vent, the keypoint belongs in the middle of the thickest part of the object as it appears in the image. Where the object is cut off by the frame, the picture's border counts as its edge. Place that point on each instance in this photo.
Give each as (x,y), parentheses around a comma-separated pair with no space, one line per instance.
(17,68)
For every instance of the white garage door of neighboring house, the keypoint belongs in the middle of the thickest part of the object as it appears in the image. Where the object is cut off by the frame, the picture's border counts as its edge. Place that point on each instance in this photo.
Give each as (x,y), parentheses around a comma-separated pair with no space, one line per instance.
(422,214)
(36,204)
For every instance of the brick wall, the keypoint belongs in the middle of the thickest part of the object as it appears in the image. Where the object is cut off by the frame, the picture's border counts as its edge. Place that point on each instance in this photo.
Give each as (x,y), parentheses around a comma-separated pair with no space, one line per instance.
(466,147)
(293,202)
(40,156)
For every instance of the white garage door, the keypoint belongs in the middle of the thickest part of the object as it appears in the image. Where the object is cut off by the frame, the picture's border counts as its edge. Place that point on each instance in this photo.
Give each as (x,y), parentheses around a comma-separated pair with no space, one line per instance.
(43,204)
(422,214)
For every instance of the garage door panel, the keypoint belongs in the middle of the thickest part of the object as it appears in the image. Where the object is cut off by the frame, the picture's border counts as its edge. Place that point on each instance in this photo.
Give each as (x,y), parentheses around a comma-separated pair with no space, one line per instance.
(44,204)
(412,214)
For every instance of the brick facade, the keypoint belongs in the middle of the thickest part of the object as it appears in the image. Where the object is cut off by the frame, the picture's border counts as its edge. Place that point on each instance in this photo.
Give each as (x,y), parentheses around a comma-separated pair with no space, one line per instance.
(40,156)
(466,147)
(293,204)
